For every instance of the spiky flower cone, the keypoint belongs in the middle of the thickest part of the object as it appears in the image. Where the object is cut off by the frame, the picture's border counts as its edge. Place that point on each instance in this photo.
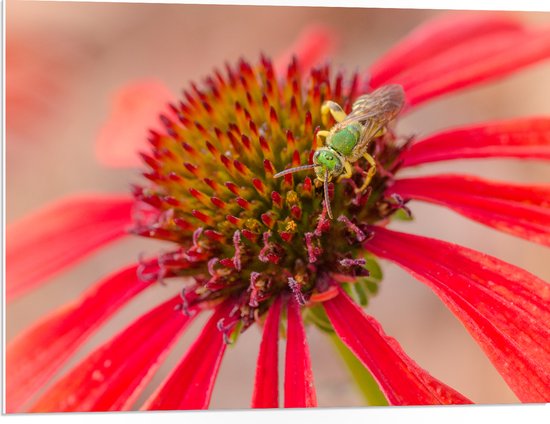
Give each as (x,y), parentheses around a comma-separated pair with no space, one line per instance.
(240,232)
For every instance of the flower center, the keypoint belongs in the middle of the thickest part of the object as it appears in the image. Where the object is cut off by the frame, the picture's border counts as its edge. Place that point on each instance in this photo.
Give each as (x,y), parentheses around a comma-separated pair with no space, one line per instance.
(239,231)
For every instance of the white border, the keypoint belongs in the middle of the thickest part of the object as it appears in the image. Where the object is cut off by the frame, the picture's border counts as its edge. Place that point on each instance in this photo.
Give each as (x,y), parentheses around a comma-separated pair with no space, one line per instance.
(378,415)
(518,5)
(449,415)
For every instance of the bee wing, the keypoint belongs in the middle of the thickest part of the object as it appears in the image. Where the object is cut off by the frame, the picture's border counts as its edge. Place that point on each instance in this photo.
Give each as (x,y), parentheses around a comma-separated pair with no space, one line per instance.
(364,108)
(371,128)
(381,105)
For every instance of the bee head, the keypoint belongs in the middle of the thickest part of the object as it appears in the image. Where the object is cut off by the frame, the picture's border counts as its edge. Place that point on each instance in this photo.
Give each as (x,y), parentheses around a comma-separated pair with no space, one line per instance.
(327,160)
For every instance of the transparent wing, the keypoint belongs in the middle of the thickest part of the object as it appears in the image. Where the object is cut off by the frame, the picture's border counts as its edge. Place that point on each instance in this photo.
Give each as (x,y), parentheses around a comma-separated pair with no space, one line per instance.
(371,128)
(382,105)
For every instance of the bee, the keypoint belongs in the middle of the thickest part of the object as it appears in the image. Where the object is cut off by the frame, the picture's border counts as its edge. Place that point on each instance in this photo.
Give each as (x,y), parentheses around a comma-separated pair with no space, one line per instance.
(348,140)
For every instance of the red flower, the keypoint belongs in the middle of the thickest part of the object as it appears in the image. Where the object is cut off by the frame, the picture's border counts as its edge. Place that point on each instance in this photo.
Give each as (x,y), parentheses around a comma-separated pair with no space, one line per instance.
(261,250)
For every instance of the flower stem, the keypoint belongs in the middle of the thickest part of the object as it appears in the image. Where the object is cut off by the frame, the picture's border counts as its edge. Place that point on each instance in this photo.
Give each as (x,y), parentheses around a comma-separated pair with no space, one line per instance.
(365,381)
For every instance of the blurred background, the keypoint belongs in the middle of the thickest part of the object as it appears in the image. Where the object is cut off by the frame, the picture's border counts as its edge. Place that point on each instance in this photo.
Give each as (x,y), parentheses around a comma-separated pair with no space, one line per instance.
(64,61)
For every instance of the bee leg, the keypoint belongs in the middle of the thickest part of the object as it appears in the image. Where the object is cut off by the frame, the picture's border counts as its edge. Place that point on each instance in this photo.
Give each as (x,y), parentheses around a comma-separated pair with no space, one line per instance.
(370,172)
(348,171)
(381,132)
(322,133)
(334,109)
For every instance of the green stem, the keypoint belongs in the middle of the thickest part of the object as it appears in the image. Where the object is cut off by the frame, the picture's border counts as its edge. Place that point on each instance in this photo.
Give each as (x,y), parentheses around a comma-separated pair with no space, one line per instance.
(366,382)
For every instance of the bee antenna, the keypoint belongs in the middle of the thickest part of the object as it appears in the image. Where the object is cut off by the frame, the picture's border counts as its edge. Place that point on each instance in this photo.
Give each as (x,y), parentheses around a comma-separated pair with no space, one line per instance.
(293,170)
(327,199)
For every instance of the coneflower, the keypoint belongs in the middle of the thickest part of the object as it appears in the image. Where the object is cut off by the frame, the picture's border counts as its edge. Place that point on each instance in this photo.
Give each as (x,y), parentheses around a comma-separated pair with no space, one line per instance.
(250,249)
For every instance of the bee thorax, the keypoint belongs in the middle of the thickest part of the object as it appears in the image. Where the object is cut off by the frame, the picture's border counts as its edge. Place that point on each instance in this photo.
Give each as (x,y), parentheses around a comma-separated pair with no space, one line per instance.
(345,140)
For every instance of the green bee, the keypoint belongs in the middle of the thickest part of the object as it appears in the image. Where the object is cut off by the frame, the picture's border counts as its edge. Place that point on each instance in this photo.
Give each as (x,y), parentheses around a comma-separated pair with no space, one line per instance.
(348,140)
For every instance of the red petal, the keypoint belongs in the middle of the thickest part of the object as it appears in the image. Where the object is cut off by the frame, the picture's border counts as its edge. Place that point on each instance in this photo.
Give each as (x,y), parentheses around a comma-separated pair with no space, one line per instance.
(135,107)
(505,308)
(436,37)
(400,378)
(314,44)
(516,209)
(299,386)
(35,355)
(190,385)
(266,386)
(520,138)
(49,240)
(112,376)
(481,60)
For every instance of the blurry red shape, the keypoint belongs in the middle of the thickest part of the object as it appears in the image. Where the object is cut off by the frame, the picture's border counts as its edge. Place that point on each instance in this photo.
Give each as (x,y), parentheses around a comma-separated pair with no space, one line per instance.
(135,108)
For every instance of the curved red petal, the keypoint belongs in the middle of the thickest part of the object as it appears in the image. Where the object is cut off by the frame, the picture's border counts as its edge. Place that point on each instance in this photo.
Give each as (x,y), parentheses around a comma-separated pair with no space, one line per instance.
(190,385)
(505,308)
(481,60)
(436,37)
(266,385)
(400,378)
(521,210)
(519,138)
(35,355)
(135,107)
(314,44)
(299,385)
(112,376)
(45,242)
